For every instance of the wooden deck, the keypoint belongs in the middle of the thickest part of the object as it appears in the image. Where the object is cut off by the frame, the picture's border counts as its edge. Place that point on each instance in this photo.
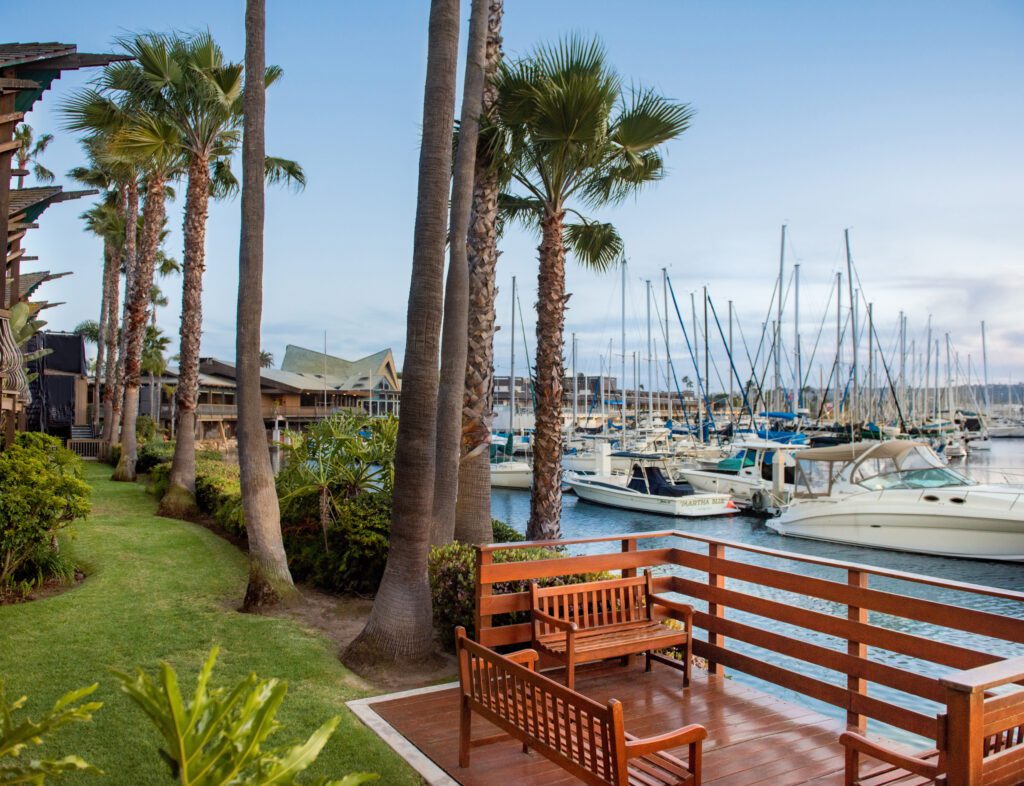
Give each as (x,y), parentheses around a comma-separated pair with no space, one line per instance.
(752,737)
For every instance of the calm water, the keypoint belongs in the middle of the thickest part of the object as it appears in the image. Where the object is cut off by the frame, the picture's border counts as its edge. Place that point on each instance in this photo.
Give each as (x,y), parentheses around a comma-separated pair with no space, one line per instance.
(1005,460)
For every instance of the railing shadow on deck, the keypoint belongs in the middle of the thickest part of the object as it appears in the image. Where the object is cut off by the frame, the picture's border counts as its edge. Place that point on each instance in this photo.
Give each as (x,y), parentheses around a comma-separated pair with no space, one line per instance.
(852,633)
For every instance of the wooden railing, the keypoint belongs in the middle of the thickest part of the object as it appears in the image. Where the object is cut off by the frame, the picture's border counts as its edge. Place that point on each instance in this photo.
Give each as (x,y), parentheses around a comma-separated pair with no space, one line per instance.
(86,448)
(844,620)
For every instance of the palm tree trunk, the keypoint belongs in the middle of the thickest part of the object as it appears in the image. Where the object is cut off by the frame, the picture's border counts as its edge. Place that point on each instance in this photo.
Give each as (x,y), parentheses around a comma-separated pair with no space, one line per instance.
(101,339)
(112,292)
(131,216)
(473,507)
(400,627)
(180,499)
(456,296)
(270,581)
(153,214)
(546,495)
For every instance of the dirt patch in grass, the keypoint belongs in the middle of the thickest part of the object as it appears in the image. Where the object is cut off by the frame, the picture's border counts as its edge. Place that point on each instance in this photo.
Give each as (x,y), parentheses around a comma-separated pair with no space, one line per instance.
(342,617)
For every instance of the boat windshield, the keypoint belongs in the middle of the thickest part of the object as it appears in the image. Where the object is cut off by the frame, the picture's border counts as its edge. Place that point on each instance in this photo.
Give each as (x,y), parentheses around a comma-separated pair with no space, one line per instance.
(919,468)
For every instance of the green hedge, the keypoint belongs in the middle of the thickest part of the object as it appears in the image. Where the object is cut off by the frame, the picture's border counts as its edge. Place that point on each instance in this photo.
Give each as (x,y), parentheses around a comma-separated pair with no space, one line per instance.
(452,570)
(218,490)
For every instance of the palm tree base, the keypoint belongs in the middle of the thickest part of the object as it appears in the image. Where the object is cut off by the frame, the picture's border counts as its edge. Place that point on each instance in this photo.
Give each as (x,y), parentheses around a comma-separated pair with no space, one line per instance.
(124,472)
(267,590)
(178,503)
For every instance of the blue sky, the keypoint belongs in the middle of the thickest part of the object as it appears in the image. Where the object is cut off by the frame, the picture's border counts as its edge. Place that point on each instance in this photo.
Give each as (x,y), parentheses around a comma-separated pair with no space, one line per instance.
(899,120)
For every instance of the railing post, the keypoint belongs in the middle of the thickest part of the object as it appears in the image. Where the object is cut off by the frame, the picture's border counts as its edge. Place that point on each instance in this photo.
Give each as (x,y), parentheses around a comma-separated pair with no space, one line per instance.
(856,685)
(480,621)
(964,736)
(628,544)
(716,551)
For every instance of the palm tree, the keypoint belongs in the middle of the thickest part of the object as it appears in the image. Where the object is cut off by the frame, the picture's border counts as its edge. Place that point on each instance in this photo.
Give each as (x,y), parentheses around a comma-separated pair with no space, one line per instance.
(400,626)
(266,359)
(473,506)
(154,364)
(29,150)
(270,581)
(456,296)
(571,134)
(198,94)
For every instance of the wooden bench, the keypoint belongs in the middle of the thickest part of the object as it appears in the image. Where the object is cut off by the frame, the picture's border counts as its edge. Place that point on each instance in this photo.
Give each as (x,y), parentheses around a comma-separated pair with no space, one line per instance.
(582,623)
(980,739)
(585,738)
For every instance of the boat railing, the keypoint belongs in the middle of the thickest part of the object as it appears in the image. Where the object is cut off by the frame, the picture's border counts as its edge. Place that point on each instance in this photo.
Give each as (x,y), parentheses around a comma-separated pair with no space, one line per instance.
(858,626)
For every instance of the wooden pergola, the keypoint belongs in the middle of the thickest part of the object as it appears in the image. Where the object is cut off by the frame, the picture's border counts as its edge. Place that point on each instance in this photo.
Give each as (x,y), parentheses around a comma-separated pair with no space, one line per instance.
(26,71)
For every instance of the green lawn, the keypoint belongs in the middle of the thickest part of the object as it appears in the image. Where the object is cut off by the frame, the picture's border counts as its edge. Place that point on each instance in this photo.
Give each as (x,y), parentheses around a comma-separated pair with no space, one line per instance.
(159,589)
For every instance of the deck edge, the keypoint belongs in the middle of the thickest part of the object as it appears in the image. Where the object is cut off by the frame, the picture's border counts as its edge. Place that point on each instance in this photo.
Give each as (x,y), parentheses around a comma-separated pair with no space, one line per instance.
(413,756)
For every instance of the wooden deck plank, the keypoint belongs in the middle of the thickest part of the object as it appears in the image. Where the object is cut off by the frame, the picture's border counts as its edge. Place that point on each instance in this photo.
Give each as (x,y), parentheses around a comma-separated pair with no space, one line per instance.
(753,737)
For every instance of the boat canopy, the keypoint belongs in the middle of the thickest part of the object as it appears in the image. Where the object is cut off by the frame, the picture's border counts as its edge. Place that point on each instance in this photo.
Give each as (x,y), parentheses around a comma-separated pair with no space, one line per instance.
(778,415)
(893,449)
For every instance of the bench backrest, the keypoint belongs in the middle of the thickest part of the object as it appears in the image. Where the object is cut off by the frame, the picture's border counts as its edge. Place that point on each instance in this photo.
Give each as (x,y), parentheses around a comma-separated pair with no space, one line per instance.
(595,603)
(583,737)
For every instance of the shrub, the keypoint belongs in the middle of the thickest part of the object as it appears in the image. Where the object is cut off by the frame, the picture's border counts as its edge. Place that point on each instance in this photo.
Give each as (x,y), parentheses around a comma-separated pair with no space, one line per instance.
(219,493)
(15,738)
(145,428)
(153,453)
(452,571)
(220,735)
(356,548)
(41,493)
(113,455)
(503,533)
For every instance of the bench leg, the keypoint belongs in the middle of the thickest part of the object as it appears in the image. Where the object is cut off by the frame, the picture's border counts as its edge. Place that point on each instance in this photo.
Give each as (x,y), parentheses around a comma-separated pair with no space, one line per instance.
(570,672)
(689,662)
(647,658)
(465,726)
(695,762)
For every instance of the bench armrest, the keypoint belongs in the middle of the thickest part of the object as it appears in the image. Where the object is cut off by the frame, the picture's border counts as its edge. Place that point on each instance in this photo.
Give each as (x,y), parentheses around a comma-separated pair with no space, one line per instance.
(673,605)
(673,739)
(540,616)
(527,658)
(912,764)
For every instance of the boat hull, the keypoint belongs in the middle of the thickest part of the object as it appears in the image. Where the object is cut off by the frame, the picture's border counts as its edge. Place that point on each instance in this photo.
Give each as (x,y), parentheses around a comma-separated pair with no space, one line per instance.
(982,525)
(693,506)
(511,475)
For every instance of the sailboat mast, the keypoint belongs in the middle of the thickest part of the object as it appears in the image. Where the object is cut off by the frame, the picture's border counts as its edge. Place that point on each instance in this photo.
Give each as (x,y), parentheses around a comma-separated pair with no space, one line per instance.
(575,388)
(650,361)
(777,333)
(853,327)
(928,366)
(839,345)
(935,402)
(984,367)
(696,368)
(707,358)
(668,343)
(622,382)
(730,355)
(512,367)
(871,360)
(798,370)
(949,382)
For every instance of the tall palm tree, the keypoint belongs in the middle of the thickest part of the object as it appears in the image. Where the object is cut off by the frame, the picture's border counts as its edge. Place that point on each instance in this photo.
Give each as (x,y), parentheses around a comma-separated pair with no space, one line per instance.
(30,149)
(400,626)
(572,135)
(270,581)
(104,220)
(473,506)
(101,118)
(266,359)
(154,364)
(456,296)
(197,93)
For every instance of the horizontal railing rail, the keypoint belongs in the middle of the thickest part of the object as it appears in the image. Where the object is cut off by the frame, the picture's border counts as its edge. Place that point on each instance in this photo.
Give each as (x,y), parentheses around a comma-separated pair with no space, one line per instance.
(842,619)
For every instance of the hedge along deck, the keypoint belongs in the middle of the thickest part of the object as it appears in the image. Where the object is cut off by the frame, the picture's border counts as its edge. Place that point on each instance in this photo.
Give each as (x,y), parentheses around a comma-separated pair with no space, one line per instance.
(850,625)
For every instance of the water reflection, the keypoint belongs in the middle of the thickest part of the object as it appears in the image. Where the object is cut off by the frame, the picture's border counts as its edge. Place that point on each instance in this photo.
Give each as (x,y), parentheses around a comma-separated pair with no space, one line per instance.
(1005,460)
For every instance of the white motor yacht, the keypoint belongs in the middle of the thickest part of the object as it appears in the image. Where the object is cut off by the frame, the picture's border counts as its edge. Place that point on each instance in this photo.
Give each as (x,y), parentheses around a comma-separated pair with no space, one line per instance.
(511,475)
(647,489)
(900,495)
(747,475)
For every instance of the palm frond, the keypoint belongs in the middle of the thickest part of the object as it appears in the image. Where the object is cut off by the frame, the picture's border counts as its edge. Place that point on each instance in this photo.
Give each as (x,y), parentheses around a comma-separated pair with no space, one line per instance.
(524,211)
(223,183)
(649,120)
(595,245)
(278,171)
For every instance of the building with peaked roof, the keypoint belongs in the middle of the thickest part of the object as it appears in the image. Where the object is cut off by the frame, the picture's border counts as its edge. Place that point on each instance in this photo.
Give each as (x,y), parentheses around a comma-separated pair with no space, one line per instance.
(296,394)
(27,70)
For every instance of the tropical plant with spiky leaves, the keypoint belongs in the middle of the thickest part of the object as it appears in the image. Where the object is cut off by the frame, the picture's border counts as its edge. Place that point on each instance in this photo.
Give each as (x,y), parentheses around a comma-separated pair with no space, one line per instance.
(18,736)
(219,736)
(567,133)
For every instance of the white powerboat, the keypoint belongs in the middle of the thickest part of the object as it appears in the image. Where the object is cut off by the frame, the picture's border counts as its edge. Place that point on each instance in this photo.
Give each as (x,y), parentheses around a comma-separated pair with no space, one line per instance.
(647,489)
(747,475)
(511,475)
(900,495)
